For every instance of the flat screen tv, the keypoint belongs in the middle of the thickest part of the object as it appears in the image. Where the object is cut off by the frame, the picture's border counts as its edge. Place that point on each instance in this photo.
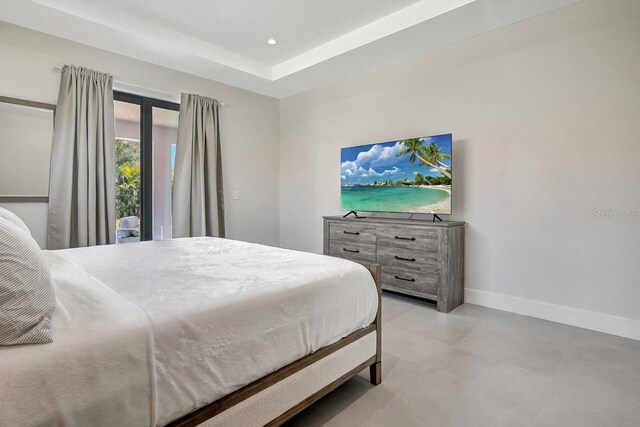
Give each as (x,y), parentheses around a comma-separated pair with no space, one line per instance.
(408,175)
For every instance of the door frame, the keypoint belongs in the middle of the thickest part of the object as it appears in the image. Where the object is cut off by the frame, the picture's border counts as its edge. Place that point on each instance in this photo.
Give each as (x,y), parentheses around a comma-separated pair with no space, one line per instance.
(146,154)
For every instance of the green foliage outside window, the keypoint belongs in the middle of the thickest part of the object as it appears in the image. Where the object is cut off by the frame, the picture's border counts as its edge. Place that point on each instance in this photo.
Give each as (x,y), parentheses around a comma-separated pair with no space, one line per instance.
(127,178)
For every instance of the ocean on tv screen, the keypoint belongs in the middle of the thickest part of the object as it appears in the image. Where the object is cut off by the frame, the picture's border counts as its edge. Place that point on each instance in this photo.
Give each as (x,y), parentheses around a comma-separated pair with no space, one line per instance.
(407,175)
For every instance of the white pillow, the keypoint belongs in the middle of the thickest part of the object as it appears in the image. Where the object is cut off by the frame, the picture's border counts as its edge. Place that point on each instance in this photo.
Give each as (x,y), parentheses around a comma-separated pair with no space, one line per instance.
(27,300)
(11,217)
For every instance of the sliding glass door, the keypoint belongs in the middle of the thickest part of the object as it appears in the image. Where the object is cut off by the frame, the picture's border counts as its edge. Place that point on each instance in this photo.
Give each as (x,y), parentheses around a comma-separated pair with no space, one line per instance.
(146,132)
(128,167)
(165,133)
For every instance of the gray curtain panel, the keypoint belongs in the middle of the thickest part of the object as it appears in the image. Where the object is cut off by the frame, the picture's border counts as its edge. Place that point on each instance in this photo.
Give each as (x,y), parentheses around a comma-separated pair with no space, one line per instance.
(82,180)
(198,202)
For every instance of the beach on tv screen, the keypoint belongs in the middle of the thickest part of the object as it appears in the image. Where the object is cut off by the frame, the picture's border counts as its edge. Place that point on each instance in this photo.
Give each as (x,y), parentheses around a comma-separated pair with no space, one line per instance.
(408,175)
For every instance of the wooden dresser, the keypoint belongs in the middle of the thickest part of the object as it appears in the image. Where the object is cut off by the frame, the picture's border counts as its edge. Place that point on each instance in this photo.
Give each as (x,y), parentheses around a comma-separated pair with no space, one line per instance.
(418,257)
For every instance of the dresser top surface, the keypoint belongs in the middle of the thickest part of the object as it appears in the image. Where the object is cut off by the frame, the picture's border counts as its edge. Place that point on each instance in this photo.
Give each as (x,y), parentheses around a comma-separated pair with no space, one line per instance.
(403,221)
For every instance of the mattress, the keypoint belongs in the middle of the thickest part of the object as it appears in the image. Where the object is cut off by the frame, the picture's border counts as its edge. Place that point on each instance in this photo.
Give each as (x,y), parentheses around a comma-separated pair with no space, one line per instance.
(221,313)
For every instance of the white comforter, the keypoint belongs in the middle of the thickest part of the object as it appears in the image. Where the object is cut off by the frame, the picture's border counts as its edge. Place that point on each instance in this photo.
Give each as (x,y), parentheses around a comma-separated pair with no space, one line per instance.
(221,313)
(98,369)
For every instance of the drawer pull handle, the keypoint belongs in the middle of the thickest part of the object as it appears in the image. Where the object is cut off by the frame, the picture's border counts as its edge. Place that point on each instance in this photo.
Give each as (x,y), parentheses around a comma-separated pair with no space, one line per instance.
(406,238)
(404,278)
(355,251)
(355,233)
(405,259)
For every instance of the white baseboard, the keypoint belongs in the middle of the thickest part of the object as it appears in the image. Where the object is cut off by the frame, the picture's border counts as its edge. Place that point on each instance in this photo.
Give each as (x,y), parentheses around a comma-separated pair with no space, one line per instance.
(621,326)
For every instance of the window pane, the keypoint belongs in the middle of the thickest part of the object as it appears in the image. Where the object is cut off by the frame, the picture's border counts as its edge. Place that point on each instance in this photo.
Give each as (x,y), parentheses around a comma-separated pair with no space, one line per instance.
(128,177)
(165,132)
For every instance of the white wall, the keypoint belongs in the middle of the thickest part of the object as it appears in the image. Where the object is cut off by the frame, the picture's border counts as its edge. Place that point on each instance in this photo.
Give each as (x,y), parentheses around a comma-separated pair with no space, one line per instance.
(249,122)
(546,122)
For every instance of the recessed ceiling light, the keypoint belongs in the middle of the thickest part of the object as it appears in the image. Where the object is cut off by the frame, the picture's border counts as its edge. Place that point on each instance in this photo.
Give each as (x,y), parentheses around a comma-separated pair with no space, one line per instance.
(272,42)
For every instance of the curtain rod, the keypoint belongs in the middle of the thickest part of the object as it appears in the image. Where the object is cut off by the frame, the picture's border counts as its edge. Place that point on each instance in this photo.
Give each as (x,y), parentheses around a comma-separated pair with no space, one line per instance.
(166,96)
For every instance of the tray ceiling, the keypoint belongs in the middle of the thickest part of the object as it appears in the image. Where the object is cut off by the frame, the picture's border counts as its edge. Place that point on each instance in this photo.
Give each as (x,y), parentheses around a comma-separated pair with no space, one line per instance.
(319,41)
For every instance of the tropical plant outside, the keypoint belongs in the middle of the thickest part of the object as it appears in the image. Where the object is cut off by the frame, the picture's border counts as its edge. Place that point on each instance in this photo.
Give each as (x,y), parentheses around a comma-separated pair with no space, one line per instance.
(127,178)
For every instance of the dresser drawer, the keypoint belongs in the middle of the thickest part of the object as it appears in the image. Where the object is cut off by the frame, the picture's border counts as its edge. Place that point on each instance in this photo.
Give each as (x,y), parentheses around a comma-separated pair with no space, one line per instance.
(407,258)
(353,250)
(408,237)
(411,280)
(352,233)
(418,257)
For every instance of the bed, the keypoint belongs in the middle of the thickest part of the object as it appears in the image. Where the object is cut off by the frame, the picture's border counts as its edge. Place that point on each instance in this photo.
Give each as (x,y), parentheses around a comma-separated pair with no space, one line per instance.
(198,331)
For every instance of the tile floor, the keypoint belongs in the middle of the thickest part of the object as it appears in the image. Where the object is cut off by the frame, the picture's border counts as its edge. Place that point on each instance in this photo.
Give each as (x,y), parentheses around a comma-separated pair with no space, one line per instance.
(482,367)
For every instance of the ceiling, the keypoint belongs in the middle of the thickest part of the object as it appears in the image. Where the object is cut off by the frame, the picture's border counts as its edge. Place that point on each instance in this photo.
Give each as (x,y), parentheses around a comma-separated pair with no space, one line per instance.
(244,26)
(319,41)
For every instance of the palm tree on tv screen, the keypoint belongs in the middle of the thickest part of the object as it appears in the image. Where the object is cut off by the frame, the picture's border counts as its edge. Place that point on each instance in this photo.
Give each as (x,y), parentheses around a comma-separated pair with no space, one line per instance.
(430,155)
(435,156)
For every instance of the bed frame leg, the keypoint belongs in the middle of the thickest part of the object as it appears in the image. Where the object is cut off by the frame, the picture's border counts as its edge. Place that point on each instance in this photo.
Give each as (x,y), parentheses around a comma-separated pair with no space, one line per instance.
(375,373)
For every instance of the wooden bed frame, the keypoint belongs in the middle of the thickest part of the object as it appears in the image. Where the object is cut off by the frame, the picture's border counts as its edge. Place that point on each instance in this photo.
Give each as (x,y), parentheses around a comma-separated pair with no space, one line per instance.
(374,363)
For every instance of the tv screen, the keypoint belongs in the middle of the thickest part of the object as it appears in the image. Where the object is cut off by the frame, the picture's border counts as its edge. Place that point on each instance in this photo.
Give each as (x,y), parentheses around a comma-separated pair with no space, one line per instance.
(409,175)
